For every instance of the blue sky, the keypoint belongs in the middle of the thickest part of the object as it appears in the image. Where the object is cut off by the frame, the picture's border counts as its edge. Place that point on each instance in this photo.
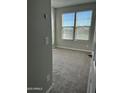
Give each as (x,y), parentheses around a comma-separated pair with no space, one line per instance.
(83,18)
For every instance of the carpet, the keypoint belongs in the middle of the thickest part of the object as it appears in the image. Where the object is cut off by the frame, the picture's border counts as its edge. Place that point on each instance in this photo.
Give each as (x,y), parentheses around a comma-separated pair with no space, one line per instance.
(70,71)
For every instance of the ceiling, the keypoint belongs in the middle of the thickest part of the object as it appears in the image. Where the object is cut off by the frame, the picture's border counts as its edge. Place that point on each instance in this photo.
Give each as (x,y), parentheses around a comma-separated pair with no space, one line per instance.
(63,3)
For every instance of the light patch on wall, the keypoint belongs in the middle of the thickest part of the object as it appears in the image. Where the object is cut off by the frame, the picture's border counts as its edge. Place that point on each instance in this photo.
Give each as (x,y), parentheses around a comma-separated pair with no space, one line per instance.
(48,78)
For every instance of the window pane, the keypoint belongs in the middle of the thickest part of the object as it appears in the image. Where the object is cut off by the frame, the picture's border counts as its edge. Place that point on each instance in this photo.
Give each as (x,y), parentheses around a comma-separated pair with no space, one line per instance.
(67,33)
(83,24)
(68,26)
(68,19)
(82,33)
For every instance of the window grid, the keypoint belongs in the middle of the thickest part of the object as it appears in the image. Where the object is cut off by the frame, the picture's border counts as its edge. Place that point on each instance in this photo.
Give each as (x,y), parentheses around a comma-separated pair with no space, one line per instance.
(75,27)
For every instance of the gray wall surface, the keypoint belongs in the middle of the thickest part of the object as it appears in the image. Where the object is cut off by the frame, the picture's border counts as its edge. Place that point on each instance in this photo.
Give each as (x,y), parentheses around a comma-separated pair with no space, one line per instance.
(39,45)
(53,25)
(82,44)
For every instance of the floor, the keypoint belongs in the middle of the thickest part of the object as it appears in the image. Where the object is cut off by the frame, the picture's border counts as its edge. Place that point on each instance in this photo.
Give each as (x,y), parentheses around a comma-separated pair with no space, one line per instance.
(70,71)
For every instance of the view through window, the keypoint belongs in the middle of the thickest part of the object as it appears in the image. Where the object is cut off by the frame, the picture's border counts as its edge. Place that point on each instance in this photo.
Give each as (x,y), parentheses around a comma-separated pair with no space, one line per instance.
(76,25)
(68,26)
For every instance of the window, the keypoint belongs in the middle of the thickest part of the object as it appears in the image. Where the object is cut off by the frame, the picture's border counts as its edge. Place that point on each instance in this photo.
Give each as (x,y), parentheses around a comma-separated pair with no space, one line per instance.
(83,24)
(68,26)
(76,26)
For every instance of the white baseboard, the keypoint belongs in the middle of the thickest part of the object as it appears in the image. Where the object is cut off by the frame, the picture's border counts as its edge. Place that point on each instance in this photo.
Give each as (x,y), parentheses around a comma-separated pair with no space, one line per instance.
(84,50)
(48,91)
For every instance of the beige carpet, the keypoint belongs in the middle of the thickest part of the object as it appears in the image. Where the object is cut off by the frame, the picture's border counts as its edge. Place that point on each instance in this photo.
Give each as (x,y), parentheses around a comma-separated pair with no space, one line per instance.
(70,71)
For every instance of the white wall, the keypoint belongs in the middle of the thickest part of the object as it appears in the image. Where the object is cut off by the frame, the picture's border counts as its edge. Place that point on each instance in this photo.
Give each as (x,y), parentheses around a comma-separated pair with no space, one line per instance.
(80,44)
